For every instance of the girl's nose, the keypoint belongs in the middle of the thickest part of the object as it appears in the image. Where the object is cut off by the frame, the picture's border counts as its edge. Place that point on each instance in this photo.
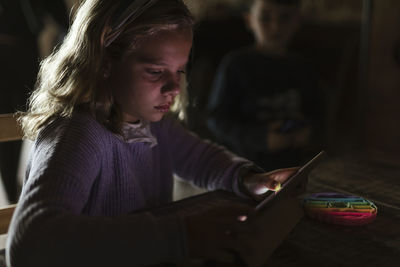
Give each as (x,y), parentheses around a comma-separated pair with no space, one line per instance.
(172,86)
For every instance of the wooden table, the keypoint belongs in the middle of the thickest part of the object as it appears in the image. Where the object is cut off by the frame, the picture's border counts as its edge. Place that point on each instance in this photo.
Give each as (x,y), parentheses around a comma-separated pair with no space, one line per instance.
(312,243)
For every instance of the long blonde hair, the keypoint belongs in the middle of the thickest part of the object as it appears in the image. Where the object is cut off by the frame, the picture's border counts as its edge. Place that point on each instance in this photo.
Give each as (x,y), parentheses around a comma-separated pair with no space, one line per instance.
(72,77)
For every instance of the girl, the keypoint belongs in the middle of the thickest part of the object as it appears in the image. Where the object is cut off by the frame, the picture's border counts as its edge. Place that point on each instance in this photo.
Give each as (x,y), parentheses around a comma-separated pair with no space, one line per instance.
(103,149)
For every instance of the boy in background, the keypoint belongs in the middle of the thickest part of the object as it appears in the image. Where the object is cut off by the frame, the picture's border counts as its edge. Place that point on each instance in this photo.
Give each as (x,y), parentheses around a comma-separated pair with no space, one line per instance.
(266,104)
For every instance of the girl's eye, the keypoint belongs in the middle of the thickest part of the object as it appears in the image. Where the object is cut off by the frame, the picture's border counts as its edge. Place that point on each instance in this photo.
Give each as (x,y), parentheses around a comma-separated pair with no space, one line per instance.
(154,72)
(181,72)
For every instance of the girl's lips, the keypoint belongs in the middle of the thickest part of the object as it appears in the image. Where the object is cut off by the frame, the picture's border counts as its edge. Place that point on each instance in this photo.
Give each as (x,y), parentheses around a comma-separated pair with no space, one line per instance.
(163,108)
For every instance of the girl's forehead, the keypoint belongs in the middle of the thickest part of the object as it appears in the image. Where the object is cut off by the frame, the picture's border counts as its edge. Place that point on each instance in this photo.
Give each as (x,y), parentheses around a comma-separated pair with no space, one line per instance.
(164,37)
(167,45)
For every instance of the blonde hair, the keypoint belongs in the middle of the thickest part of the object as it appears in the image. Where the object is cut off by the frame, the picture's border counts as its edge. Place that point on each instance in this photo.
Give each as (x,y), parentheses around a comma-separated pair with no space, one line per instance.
(72,77)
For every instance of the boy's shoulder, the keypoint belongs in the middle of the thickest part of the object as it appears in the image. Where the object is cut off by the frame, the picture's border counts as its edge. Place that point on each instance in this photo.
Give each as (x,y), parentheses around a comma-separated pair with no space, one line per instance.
(244,53)
(243,58)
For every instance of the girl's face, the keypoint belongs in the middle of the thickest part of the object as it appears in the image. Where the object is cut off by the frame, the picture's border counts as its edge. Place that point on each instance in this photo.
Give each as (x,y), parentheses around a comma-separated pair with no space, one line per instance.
(145,83)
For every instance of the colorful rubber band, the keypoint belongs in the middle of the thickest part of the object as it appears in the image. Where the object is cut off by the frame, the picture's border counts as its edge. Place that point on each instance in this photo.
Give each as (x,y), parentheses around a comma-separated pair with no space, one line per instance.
(340,209)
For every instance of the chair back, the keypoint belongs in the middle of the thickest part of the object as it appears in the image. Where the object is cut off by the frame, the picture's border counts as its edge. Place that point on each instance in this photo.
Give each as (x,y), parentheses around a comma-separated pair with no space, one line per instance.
(10,130)
(6,213)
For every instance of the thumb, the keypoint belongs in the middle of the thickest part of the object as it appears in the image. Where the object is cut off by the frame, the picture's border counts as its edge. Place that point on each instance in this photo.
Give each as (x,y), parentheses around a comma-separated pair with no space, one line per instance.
(261,186)
(281,175)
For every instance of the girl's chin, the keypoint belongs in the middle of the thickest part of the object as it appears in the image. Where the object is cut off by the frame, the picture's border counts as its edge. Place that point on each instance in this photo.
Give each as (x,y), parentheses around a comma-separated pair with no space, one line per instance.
(156,118)
(151,117)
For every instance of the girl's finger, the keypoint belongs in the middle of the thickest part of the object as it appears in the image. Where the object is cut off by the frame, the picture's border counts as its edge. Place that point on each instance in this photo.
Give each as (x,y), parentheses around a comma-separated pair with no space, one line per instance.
(282,175)
(263,185)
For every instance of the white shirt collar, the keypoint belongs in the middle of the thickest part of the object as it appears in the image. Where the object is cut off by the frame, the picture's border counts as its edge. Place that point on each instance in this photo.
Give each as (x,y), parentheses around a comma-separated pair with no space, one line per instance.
(138,132)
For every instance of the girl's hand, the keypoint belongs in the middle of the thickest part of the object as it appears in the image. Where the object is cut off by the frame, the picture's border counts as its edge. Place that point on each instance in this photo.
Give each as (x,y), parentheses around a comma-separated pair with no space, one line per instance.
(224,235)
(257,184)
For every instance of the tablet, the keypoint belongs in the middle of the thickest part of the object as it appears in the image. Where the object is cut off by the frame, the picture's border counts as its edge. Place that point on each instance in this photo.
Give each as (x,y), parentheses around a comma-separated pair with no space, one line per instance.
(292,182)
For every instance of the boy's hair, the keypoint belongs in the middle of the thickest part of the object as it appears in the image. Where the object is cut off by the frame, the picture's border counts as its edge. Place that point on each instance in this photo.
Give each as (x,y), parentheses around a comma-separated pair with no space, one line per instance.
(285,2)
(296,3)
(282,2)
(72,77)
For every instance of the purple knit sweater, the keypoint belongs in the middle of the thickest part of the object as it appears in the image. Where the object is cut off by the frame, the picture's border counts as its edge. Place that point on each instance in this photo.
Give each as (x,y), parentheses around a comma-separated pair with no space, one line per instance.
(84,184)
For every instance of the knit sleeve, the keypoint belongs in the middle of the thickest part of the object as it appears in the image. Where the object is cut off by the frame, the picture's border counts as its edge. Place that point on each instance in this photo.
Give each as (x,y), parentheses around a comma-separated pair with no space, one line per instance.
(50,227)
(204,163)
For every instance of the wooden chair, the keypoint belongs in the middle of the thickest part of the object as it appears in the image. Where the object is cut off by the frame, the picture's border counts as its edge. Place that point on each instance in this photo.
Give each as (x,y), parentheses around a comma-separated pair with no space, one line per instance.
(9,128)
(6,214)
(9,131)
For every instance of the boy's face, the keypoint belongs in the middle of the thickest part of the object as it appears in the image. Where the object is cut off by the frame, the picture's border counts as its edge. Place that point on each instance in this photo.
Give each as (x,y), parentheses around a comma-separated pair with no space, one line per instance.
(145,83)
(273,25)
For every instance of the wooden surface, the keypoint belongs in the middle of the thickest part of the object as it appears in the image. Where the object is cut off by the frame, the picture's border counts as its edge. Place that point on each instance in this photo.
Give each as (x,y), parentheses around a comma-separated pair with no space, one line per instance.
(314,243)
